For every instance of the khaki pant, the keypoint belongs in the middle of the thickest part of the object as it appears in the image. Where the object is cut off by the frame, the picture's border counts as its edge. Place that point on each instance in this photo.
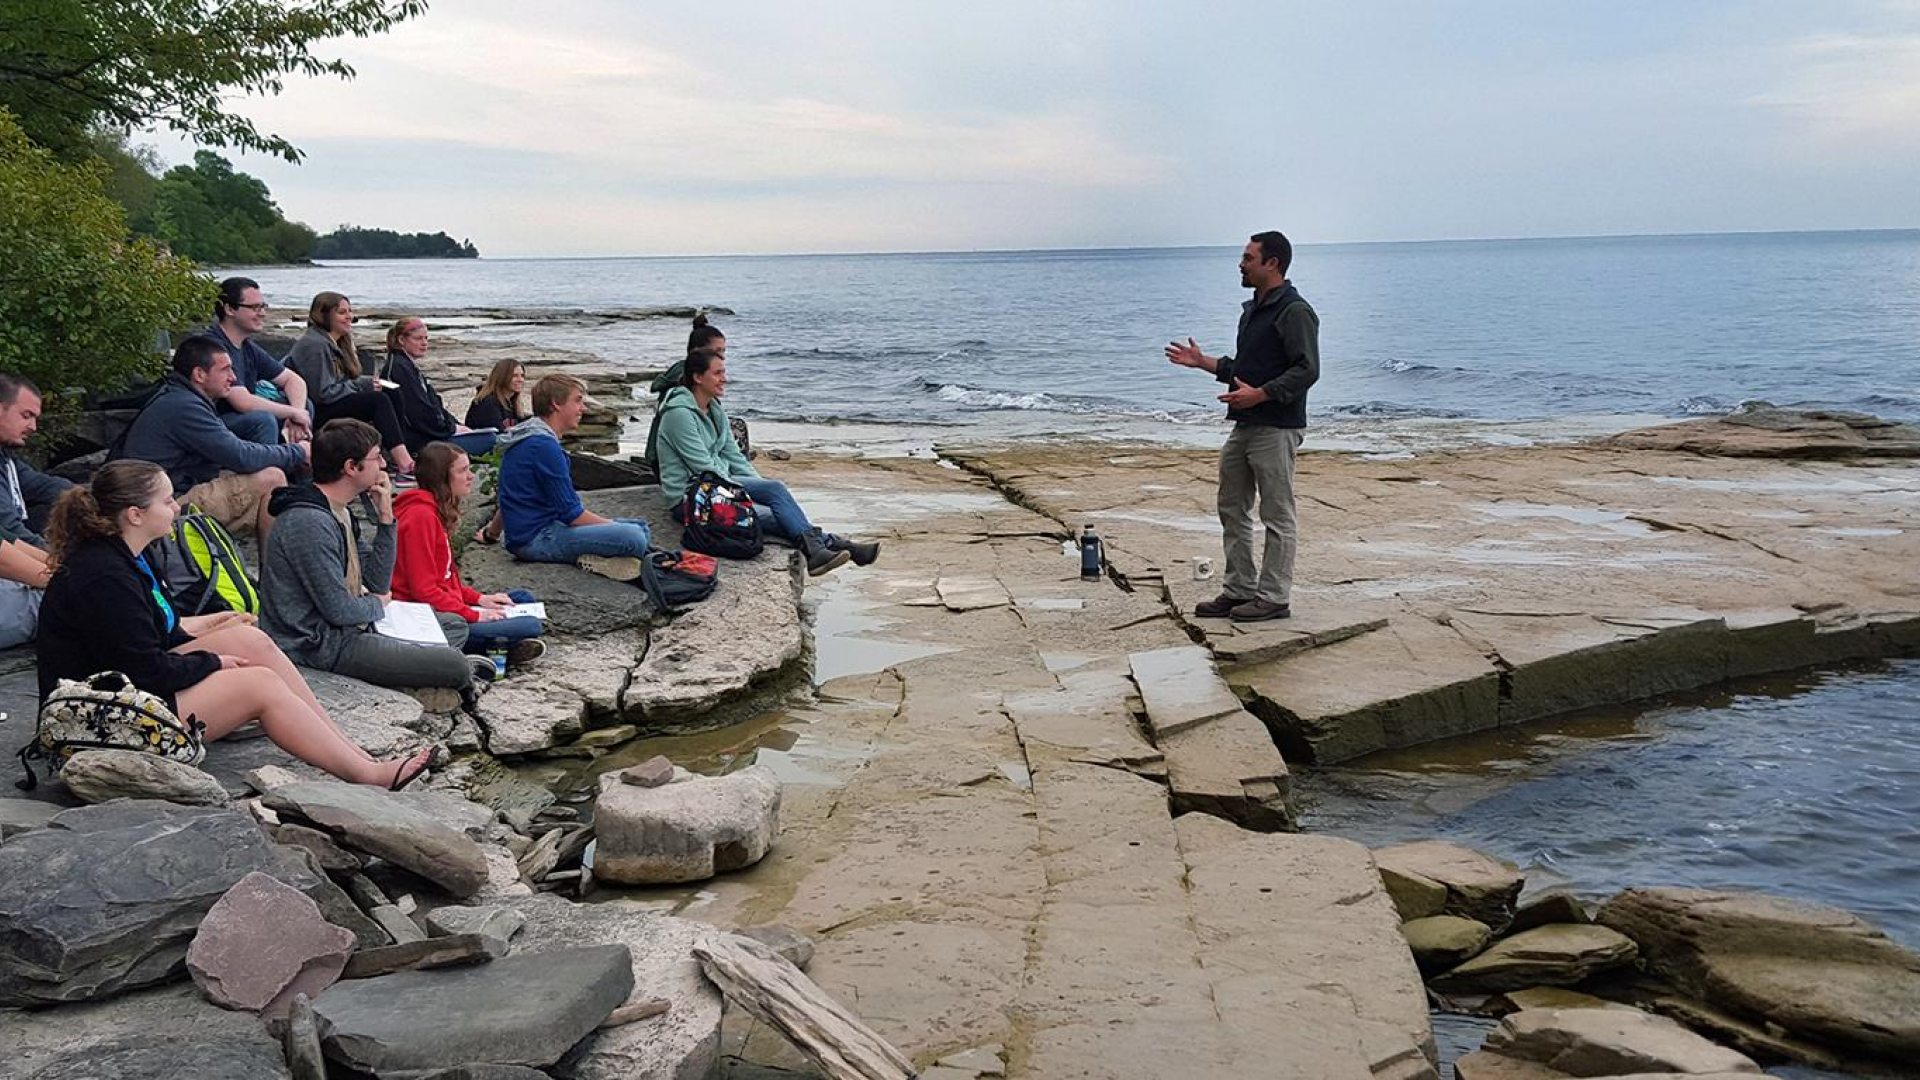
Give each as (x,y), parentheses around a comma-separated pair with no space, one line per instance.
(232,499)
(1256,467)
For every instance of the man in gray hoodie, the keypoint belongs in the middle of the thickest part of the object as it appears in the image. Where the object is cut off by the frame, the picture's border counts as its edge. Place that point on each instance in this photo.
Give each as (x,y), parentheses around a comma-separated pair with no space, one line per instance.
(324,584)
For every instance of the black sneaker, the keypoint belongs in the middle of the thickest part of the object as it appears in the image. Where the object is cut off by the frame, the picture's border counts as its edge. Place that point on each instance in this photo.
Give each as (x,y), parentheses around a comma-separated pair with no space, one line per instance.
(862,551)
(1261,611)
(482,668)
(1219,607)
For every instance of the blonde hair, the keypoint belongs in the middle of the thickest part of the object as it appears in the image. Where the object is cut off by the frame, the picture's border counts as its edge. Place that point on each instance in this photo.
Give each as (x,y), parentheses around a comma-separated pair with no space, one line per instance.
(552,391)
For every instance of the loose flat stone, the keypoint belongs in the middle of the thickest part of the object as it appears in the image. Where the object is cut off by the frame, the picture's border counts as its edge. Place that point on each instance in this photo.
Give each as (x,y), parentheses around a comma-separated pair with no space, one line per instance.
(166,1032)
(452,950)
(520,1010)
(1415,896)
(521,717)
(1610,1042)
(653,772)
(1478,886)
(791,945)
(1305,630)
(1550,908)
(379,824)
(963,594)
(260,937)
(682,1043)
(301,1041)
(106,898)
(492,920)
(1228,767)
(1181,689)
(607,738)
(1560,954)
(398,924)
(97,776)
(1550,997)
(688,830)
(332,857)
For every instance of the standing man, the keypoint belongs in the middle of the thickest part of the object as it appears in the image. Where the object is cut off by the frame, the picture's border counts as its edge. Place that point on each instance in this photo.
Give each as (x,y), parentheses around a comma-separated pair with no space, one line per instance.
(1277,358)
(239,313)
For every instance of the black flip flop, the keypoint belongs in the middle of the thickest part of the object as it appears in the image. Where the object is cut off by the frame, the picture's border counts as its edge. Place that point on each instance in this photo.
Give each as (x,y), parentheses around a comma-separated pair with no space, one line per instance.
(402,777)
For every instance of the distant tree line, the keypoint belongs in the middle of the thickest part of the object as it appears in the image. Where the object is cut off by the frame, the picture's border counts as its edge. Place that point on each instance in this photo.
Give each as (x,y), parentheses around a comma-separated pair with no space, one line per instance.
(353,242)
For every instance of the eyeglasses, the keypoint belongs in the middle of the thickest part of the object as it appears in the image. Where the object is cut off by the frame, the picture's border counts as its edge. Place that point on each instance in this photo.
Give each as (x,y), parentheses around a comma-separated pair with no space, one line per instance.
(251,307)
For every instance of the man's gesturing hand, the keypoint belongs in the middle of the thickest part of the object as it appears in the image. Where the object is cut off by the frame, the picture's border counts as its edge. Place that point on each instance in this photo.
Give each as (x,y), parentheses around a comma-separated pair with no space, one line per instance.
(1243,396)
(1187,355)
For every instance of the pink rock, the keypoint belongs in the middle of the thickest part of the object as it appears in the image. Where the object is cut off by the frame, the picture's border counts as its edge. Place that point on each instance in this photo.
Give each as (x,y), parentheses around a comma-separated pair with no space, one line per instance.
(653,772)
(259,940)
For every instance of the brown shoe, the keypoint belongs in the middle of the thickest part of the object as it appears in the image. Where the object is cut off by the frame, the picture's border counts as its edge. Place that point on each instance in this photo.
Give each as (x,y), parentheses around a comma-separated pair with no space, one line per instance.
(1219,607)
(1261,611)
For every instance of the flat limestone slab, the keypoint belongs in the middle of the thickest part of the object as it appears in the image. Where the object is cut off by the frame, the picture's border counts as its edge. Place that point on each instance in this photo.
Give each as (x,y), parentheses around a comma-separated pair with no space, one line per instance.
(1562,662)
(1181,689)
(1413,682)
(1287,637)
(1228,767)
(971,594)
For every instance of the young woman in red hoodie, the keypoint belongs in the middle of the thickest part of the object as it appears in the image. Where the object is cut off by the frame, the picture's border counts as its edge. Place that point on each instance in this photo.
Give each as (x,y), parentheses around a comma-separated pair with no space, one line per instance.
(424,570)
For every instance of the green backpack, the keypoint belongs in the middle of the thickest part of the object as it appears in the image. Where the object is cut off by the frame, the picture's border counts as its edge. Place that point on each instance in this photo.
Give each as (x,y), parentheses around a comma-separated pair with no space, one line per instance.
(199,565)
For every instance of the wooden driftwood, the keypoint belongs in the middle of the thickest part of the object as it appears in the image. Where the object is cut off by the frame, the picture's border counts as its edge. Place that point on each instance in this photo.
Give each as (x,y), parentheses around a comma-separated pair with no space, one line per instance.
(643,1009)
(761,982)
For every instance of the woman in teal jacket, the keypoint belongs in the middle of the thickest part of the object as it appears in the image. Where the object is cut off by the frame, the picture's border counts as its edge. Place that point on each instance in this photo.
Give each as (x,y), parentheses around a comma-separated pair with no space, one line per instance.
(694,438)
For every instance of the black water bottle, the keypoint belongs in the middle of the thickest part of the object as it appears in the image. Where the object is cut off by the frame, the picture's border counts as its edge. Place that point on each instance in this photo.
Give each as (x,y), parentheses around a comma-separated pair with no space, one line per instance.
(1089,553)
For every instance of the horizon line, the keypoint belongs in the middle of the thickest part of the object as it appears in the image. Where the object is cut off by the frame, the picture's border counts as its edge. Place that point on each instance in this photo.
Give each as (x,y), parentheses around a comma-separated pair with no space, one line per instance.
(1200,247)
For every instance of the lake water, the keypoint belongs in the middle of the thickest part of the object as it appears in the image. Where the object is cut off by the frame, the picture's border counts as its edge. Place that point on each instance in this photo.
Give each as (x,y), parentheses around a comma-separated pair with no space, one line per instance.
(1459,331)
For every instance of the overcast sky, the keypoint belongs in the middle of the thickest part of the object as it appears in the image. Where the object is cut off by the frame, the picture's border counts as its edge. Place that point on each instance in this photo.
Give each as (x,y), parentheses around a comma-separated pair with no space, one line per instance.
(588,127)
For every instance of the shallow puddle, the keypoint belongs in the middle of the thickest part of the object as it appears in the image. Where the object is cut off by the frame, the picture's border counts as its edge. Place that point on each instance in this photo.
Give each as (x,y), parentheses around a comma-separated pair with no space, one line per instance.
(1614,521)
(844,634)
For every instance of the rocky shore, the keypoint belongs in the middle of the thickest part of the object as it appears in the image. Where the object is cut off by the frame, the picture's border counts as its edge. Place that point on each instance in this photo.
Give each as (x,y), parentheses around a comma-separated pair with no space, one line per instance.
(1012,822)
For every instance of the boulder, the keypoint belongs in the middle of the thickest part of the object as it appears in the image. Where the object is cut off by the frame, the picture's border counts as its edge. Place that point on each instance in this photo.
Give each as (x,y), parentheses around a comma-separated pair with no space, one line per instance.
(1414,896)
(97,776)
(1610,1042)
(261,940)
(1815,972)
(520,1010)
(163,1033)
(1478,886)
(579,604)
(688,830)
(682,1044)
(1560,954)
(749,629)
(106,898)
(380,824)
(1441,941)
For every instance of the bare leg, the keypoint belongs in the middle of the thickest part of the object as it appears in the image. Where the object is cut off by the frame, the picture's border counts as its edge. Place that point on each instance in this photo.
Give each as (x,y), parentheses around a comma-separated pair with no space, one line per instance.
(252,644)
(232,696)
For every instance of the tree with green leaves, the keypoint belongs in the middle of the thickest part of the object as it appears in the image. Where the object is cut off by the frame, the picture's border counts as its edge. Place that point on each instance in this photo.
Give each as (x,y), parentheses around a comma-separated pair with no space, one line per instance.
(210,212)
(80,302)
(71,67)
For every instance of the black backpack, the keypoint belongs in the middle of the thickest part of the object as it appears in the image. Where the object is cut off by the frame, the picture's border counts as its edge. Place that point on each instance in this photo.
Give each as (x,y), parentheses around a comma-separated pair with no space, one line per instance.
(675,581)
(719,519)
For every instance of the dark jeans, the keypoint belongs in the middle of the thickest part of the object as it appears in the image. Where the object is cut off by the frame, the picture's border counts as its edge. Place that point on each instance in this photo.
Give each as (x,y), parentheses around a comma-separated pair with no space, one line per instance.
(484,636)
(254,427)
(373,406)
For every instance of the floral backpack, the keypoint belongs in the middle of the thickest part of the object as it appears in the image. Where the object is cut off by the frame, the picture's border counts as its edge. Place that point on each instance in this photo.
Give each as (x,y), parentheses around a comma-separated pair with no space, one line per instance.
(107,712)
(719,519)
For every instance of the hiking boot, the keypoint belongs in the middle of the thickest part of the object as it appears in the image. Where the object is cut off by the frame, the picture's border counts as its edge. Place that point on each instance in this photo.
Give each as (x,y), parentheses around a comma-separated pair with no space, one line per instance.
(821,558)
(1261,611)
(863,551)
(617,567)
(525,651)
(1219,607)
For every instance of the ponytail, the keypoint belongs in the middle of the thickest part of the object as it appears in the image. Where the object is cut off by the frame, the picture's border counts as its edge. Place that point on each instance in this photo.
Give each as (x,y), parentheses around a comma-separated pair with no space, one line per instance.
(85,514)
(703,335)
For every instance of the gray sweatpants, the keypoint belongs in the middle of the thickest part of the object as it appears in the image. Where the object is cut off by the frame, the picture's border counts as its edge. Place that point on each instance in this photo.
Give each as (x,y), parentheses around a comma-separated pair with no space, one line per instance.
(385,661)
(1256,469)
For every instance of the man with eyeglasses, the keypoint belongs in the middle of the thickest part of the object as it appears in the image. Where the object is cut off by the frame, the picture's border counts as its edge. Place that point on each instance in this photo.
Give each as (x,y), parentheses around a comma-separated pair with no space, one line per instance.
(240,312)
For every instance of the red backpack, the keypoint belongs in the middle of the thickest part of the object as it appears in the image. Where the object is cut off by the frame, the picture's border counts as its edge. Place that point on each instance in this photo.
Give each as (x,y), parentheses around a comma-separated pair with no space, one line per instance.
(719,519)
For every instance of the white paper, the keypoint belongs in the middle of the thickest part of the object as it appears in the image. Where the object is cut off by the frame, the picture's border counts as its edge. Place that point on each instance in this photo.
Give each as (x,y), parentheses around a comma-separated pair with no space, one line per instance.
(386,384)
(408,620)
(537,609)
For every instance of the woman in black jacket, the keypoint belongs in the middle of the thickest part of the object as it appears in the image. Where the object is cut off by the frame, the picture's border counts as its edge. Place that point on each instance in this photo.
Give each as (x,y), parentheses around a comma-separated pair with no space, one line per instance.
(423,416)
(105,611)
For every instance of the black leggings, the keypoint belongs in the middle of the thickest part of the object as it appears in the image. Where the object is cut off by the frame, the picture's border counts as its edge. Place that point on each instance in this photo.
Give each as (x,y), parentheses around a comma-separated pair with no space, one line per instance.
(369,405)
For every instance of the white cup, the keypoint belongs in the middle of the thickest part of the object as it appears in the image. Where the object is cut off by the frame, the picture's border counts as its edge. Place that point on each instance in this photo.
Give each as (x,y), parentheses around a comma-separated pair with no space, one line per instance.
(1203,569)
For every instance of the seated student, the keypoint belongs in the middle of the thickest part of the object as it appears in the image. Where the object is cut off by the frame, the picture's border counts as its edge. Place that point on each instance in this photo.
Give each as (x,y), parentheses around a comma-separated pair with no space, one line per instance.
(423,416)
(26,496)
(704,335)
(223,474)
(424,570)
(326,357)
(540,513)
(497,404)
(106,611)
(323,584)
(695,438)
(266,401)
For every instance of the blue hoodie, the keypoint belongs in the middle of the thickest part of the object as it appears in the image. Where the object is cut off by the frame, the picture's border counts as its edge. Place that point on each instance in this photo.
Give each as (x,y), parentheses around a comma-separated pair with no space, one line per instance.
(536,483)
